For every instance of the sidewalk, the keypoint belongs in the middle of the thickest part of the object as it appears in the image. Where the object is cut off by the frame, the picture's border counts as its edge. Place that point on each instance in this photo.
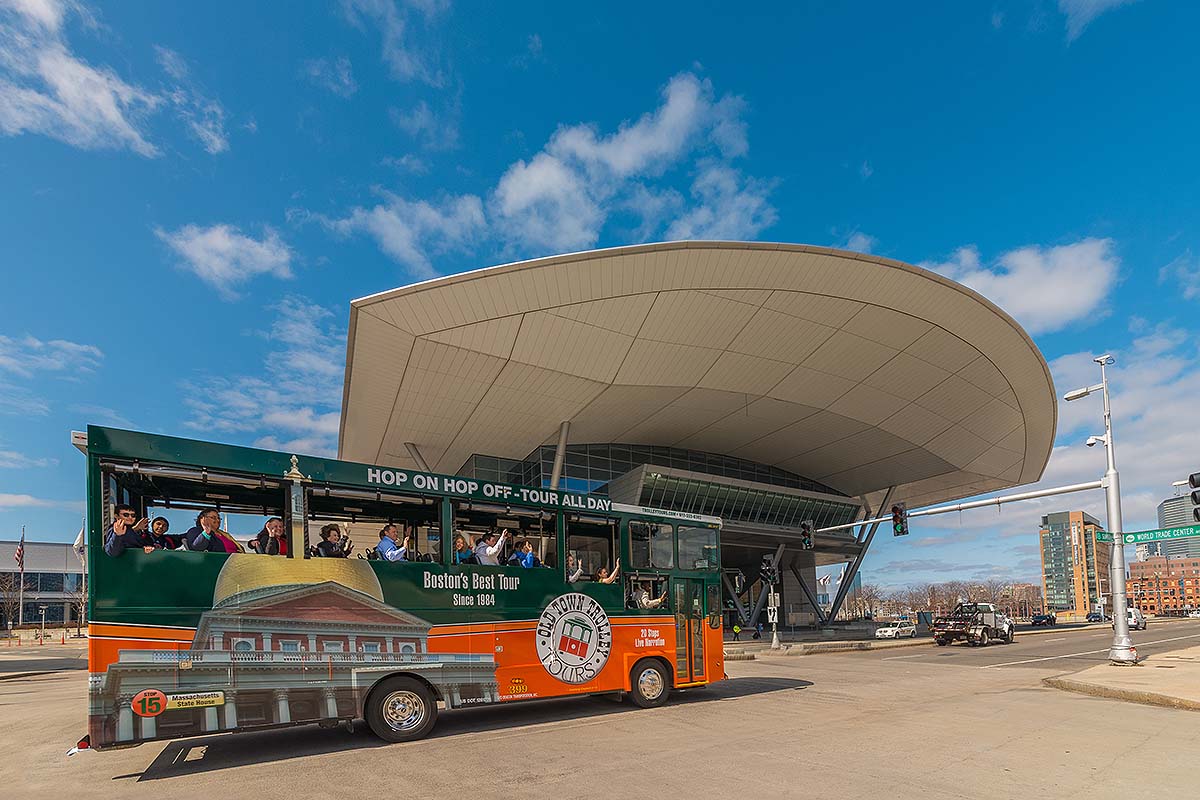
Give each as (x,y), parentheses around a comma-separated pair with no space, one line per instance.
(1170,679)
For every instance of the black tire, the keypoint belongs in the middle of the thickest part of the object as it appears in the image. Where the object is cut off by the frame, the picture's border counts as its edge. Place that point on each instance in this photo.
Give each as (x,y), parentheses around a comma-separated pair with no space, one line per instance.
(984,639)
(649,683)
(401,709)
(1010,635)
(941,642)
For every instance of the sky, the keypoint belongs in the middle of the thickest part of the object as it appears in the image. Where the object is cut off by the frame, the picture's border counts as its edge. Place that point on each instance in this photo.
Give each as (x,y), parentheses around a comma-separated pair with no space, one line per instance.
(191,195)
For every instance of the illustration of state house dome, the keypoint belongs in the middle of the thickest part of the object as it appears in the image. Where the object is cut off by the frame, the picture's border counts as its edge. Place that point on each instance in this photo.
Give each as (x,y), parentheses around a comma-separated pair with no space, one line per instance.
(245,577)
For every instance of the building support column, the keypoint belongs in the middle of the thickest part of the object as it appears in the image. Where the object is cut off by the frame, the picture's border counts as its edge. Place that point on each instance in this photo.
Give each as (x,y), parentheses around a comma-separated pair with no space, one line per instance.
(416,456)
(283,710)
(560,454)
(848,578)
(266,641)
(737,601)
(312,643)
(812,598)
(124,718)
(211,722)
(231,719)
(330,703)
(149,728)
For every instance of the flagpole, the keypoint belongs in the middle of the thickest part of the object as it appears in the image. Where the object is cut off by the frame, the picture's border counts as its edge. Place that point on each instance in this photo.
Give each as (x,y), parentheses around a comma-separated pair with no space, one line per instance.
(21,583)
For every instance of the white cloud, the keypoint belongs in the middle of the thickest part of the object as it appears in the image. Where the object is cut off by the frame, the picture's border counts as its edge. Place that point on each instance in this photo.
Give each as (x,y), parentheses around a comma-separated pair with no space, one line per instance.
(562,197)
(1080,13)
(46,89)
(28,356)
(203,116)
(297,391)
(223,257)
(434,130)
(858,242)
(337,75)
(24,501)
(171,62)
(726,206)
(1045,289)
(409,230)
(11,459)
(90,413)
(408,163)
(392,19)
(1183,274)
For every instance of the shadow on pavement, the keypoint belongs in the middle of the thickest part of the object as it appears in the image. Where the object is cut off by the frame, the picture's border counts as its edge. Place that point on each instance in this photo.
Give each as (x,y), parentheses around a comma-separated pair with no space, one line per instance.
(206,754)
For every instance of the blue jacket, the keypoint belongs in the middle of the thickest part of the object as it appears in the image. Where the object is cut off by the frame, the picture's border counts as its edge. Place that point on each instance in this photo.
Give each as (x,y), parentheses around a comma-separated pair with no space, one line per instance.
(116,545)
(390,551)
(197,539)
(527,560)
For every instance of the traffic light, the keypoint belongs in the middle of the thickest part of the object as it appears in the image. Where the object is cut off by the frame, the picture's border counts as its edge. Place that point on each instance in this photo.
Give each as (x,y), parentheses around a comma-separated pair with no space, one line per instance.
(1194,483)
(806,535)
(900,520)
(767,570)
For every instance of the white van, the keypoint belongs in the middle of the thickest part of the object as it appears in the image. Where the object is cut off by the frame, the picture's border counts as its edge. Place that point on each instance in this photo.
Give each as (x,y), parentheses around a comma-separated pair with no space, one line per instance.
(1137,620)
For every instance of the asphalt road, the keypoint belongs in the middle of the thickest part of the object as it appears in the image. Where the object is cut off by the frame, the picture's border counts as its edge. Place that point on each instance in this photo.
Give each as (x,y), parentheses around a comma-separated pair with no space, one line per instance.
(1062,650)
(922,722)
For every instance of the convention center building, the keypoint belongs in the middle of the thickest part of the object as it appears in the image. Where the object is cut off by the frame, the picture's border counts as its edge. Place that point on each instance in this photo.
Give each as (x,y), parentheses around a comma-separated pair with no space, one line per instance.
(767,384)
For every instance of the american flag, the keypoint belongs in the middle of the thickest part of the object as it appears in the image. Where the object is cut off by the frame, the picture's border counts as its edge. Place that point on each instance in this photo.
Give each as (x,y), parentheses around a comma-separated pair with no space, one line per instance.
(20,554)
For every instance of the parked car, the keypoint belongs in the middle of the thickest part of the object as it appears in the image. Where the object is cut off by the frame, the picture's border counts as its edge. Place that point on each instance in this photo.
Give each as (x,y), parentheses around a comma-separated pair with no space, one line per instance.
(896,630)
(1043,619)
(1096,616)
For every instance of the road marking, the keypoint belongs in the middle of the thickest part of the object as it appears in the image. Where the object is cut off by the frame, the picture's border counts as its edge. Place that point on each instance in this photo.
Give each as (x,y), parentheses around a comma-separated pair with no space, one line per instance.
(1059,639)
(897,658)
(1088,653)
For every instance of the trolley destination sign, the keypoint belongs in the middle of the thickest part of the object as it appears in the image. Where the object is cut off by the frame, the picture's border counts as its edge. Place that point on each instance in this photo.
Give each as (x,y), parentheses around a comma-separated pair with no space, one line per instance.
(1141,537)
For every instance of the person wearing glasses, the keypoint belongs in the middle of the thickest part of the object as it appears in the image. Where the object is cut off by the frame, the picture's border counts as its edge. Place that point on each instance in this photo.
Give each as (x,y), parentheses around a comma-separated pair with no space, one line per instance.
(127,532)
(208,536)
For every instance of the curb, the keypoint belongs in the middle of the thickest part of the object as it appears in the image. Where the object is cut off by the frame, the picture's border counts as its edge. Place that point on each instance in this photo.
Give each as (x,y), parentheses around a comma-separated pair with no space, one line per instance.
(1128,695)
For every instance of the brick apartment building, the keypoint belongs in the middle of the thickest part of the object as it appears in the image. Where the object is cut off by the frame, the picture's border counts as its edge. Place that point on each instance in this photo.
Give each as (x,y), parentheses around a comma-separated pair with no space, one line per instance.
(1165,585)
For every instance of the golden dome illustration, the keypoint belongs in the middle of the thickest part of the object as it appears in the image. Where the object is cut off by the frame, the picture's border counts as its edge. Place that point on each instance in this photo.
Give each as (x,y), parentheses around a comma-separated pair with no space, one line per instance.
(244,572)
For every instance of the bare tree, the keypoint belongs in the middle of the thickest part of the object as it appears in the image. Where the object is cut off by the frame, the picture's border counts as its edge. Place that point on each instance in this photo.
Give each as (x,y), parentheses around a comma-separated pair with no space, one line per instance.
(10,596)
(869,597)
(79,603)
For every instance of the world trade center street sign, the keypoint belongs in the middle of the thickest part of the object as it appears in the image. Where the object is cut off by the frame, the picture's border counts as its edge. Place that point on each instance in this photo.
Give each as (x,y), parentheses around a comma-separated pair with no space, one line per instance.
(1141,537)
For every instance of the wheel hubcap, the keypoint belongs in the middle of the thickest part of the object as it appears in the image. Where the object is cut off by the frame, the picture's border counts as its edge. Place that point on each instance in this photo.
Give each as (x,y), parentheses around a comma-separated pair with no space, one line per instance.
(403,711)
(650,684)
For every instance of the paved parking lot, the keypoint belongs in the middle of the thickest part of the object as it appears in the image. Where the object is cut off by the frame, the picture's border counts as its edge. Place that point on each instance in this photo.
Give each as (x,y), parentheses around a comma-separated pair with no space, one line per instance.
(948,722)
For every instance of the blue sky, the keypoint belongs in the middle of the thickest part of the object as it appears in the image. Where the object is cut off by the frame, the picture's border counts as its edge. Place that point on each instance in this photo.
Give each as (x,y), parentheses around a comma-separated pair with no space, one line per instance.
(190,196)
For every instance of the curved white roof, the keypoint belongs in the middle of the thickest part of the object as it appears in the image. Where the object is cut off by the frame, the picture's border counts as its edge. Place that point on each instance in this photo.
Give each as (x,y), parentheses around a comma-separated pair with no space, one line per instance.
(856,371)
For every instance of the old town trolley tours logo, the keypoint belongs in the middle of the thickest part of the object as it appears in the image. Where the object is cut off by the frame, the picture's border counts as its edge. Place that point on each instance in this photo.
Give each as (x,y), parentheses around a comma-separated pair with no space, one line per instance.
(574,638)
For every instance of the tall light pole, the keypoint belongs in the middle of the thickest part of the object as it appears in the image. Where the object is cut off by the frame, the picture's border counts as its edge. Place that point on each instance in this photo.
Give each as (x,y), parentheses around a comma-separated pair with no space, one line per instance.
(1122,651)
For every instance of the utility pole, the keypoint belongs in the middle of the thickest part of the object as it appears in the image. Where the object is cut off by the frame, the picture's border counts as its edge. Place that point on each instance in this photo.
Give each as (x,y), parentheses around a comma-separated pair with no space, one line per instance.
(1122,651)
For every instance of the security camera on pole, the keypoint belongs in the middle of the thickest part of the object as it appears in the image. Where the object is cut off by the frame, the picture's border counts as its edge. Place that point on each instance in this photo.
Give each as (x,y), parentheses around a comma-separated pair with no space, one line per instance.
(1122,651)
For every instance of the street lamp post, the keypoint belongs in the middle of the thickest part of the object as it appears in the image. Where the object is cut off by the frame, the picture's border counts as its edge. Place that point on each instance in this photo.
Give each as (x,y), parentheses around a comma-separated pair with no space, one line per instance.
(1122,651)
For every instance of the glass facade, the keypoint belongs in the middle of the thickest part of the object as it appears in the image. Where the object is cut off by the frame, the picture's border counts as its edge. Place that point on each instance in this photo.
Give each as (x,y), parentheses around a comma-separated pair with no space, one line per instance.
(589,467)
(742,504)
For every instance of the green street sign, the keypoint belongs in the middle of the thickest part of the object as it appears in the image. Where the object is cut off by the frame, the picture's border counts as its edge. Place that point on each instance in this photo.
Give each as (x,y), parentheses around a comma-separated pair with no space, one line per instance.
(1140,537)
